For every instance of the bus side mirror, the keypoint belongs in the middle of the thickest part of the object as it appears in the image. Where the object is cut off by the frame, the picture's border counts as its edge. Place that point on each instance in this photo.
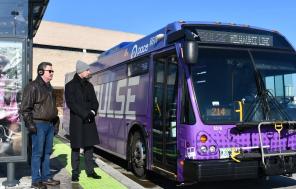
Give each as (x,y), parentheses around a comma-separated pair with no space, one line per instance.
(190,52)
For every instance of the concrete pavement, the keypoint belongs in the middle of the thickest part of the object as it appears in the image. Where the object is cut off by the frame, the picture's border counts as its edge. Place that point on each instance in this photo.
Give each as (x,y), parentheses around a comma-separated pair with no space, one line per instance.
(61,169)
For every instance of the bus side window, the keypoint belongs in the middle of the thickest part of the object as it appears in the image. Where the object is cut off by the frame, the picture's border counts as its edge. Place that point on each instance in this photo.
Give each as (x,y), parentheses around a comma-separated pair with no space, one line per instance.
(187,115)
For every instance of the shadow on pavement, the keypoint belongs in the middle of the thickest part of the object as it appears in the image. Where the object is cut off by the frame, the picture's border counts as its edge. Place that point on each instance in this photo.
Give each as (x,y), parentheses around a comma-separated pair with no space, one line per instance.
(273,182)
(58,163)
(23,169)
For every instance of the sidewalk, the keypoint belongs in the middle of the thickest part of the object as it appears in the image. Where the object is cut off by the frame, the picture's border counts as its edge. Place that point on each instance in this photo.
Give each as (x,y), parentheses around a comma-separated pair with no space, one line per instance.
(23,174)
(61,169)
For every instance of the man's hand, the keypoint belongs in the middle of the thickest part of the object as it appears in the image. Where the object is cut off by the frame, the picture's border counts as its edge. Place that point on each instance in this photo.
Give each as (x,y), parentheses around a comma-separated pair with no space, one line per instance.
(32,128)
(90,117)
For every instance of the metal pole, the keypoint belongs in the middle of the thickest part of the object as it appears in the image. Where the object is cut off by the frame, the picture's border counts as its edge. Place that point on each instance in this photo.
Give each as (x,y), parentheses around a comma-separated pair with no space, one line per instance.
(10,182)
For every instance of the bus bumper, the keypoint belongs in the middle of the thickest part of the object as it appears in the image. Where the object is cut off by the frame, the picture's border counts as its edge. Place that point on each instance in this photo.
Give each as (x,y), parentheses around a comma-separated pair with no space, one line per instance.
(217,170)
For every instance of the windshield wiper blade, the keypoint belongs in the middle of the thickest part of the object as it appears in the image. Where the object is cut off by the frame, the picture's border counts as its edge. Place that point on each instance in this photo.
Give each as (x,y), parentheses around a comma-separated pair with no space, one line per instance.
(264,99)
(277,105)
(259,102)
(267,102)
(261,97)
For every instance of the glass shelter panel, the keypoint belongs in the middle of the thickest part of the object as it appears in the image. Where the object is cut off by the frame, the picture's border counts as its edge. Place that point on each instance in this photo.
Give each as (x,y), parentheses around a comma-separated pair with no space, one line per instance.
(14,18)
(11,77)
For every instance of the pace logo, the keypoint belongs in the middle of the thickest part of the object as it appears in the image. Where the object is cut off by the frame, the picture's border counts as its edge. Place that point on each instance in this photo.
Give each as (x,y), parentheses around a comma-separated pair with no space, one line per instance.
(136,51)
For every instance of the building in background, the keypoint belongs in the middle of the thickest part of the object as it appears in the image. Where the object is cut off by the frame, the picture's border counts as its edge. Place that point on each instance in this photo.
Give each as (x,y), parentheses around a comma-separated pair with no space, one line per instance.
(64,44)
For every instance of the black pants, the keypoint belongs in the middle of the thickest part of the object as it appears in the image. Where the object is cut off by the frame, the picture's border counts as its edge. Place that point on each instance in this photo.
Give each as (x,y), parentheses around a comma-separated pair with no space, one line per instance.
(88,160)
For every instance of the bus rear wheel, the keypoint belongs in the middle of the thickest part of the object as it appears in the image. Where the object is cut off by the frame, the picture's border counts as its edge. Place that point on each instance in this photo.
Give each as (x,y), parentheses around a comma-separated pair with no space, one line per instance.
(138,155)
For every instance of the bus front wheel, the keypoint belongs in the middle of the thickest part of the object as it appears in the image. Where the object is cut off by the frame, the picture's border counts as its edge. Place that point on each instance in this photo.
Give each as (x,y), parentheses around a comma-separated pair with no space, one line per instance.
(138,155)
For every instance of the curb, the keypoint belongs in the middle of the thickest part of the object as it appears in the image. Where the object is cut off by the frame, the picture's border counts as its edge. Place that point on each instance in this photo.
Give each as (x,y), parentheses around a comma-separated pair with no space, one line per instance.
(129,183)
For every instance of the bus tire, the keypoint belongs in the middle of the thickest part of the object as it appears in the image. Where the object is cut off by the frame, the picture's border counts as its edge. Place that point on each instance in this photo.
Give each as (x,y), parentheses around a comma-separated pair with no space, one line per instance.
(138,155)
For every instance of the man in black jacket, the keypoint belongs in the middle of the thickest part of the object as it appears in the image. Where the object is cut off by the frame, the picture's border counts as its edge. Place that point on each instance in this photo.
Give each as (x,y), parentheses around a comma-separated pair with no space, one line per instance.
(39,112)
(81,100)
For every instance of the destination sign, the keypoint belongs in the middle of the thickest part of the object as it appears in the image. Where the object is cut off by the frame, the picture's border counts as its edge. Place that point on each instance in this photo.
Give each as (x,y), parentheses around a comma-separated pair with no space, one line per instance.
(235,38)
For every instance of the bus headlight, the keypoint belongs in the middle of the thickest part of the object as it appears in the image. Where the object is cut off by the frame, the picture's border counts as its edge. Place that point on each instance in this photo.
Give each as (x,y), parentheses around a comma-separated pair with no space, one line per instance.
(203,149)
(212,149)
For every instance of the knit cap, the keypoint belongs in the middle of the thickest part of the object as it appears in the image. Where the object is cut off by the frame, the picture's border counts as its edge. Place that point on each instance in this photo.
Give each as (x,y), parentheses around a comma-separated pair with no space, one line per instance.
(81,66)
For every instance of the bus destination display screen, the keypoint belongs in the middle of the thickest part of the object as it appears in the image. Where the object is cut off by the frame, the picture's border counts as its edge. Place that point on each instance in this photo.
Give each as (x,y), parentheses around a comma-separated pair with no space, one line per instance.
(235,38)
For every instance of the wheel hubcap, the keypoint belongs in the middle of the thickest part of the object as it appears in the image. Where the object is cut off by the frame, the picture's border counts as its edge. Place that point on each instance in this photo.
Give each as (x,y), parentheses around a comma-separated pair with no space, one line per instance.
(139,154)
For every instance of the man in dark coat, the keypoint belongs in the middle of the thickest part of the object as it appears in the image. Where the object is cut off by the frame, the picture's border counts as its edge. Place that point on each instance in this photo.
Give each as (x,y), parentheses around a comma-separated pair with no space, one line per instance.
(83,104)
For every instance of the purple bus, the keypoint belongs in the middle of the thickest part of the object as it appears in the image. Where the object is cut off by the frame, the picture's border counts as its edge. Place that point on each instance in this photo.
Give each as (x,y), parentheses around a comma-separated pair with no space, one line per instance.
(199,102)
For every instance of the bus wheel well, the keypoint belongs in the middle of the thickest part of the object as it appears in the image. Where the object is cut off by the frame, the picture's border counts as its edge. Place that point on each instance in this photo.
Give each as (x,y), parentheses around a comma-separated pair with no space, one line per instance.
(135,128)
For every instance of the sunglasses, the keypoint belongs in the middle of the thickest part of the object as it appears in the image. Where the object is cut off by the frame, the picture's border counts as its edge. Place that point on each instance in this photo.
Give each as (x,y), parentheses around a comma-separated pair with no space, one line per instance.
(50,71)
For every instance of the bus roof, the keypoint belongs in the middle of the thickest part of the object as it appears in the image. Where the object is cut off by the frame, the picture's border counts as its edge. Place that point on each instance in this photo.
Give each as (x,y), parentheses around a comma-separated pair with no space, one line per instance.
(175,32)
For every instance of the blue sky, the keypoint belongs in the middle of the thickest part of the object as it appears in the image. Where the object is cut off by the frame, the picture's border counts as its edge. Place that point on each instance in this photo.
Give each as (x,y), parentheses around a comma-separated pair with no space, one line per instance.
(145,17)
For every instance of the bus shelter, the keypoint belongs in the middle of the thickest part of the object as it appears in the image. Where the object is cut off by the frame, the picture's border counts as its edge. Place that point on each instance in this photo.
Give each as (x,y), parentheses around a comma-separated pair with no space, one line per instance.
(19,22)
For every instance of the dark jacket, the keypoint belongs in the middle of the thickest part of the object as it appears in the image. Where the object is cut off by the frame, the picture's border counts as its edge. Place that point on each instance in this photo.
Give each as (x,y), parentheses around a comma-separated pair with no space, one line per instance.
(38,102)
(81,99)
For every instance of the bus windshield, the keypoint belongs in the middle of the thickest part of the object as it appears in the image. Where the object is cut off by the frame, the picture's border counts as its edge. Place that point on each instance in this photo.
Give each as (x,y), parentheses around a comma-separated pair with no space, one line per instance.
(233,86)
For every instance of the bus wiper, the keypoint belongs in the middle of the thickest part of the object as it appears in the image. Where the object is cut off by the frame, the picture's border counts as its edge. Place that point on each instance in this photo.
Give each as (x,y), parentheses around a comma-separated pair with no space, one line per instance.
(261,101)
(273,101)
(261,97)
(264,99)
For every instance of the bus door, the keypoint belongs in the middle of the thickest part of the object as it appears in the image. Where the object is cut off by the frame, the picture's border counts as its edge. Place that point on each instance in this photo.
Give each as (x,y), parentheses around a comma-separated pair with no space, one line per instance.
(165,90)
